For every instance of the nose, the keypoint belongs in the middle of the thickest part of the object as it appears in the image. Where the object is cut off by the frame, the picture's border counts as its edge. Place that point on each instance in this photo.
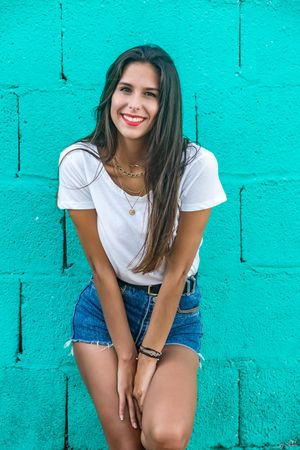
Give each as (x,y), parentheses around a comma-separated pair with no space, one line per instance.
(134,103)
(134,107)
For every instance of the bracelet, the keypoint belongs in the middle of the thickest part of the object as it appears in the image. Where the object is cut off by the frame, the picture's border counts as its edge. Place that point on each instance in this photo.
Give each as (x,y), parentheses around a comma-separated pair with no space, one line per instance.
(150,352)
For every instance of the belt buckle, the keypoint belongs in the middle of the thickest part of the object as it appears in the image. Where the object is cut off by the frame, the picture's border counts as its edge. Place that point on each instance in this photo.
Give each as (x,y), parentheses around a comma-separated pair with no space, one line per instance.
(149,290)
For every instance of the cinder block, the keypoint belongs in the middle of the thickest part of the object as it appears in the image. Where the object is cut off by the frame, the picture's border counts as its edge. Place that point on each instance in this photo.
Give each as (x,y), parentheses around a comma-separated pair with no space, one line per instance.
(207,51)
(30,43)
(216,421)
(77,262)
(270,41)
(251,317)
(221,247)
(8,133)
(253,128)
(270,406)
(30,230)
(85,430)
(270,231)
(208,54)
(46,318)
(33,409)
(9,320)
(64,116)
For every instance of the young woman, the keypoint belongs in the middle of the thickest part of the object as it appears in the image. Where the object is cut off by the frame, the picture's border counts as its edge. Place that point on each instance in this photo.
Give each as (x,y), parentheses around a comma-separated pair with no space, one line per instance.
(140,196)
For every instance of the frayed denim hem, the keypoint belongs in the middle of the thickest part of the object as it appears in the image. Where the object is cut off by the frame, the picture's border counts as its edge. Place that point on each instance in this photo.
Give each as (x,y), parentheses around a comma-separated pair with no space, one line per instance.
(69,342)
(200,356)
(108,345)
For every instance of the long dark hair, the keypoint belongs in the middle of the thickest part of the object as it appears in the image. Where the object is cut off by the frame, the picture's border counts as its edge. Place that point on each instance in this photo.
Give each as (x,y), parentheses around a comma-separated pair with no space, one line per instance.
(166,155)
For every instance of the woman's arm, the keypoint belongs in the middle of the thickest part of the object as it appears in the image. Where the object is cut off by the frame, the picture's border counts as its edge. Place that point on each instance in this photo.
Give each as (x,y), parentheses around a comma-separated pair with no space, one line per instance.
(85,221)
(190,230)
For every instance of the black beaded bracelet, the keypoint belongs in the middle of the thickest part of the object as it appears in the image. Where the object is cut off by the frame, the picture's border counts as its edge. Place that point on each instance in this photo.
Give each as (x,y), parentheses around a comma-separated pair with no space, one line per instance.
(150,352)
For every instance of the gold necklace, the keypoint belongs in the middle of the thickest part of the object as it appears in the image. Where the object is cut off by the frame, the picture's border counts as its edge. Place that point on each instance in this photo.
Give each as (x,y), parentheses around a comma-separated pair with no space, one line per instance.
(127,189)
(129,174)
(132,210)
(132,165)
(115,172)
(135,165)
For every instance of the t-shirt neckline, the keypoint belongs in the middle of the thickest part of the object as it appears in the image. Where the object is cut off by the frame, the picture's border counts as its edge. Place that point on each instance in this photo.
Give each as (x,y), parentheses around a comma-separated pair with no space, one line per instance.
(118,188)
(114,185)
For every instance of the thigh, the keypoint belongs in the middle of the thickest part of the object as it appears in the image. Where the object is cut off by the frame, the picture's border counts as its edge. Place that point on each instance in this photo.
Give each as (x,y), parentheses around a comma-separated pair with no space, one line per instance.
(97,365)
(170,403)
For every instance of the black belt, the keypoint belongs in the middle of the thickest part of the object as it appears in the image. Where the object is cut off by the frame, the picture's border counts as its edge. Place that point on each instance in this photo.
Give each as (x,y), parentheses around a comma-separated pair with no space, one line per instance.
(153,289)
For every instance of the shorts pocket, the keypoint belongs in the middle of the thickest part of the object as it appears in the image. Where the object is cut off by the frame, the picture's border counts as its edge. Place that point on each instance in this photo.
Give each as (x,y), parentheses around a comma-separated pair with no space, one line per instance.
(189,304)
(188,311)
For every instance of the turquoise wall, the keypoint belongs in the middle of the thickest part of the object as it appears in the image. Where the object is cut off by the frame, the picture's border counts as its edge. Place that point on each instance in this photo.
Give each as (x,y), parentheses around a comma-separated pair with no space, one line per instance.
(240,81)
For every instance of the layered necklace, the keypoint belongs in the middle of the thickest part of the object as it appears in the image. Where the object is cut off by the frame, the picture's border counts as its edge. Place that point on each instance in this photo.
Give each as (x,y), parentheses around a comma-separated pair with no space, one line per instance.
(117,167)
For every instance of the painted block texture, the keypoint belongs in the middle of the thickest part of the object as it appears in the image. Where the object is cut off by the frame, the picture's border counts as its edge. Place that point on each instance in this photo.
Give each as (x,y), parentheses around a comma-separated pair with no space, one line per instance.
(77,261)
(251,316)
(30,43)
(270,407)
(271,232)
(32,409)
(9,105)
(201,34)
(30,230)
(84,430)
(10,304)
(270,41)
(253,128)
(49,122)
(47,309)
(216,421)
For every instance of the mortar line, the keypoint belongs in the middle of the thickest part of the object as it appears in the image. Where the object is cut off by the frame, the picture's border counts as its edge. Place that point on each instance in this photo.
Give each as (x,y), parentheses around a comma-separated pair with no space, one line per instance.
(242,260)
(66,433)
(63,77)
(240,35)
(239,407)
(19,135)
(20,337)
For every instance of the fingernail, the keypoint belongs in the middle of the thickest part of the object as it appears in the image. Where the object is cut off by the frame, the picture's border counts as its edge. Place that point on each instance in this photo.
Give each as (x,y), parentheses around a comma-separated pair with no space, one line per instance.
(121,417)
(134,425)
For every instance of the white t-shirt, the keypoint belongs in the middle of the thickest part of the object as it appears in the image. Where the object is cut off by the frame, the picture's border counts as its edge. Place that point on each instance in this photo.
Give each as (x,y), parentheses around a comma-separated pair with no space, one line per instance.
(122,235)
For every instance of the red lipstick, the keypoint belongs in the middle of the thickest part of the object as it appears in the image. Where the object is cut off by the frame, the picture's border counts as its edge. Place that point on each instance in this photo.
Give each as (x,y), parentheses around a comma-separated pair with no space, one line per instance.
(133,123)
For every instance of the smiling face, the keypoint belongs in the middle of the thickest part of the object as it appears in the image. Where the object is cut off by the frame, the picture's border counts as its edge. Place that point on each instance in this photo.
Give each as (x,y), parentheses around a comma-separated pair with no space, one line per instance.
(135,101)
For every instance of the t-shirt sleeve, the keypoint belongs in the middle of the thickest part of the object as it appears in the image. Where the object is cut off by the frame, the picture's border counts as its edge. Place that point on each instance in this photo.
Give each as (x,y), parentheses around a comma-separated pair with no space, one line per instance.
(202,188)
(71,191)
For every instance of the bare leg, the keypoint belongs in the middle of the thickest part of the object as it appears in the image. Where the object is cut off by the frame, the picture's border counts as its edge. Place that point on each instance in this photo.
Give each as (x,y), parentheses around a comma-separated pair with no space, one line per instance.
(170,402)
(98,368)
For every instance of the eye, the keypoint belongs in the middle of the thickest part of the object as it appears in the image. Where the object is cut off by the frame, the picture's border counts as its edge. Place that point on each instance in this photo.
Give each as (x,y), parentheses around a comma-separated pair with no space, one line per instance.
(151,93)
(122,88)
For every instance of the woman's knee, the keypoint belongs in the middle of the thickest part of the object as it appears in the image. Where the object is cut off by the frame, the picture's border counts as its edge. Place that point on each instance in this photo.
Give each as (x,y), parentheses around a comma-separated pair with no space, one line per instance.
(165,437)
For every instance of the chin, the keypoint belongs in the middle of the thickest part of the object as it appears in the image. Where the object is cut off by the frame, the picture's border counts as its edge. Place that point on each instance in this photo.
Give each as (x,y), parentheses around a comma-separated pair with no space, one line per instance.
(133,136)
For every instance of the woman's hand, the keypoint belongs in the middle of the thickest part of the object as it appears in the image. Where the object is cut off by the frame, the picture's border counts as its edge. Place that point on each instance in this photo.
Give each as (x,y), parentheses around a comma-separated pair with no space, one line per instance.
(145,370)
(125,378)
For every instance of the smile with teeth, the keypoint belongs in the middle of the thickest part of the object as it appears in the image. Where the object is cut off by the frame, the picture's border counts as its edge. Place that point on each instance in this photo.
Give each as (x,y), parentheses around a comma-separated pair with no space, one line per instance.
(132,119)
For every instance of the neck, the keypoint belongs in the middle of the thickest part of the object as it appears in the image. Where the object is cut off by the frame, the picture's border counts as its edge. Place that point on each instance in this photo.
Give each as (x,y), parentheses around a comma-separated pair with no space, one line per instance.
(130,151)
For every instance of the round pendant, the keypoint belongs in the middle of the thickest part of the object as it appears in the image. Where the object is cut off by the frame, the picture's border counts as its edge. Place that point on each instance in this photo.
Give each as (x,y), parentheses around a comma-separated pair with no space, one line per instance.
(132,212)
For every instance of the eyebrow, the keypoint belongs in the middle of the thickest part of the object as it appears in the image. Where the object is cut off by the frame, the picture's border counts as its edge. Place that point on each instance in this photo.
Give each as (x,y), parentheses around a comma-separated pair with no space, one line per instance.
(147,88)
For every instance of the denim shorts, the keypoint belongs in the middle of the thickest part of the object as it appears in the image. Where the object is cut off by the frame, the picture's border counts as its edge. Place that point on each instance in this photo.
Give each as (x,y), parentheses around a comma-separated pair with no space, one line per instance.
(88,324)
